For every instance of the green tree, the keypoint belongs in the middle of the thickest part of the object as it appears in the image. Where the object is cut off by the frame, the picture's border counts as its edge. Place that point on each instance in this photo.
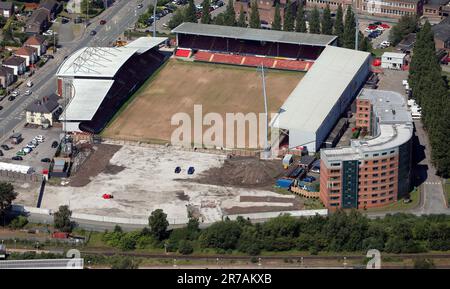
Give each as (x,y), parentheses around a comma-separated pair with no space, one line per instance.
(288,23)
(348,40)
(300,23)
(7,196)
(230,14)
(406,25)
(177,18)
(219,19)
(255,22)
(61,219)
(276,24)
(190,14)
(158,224)
(364,43)
(224,235)
(339,25)
(327,22)
(314,21)
(120,262)
(185,247)
(241,20)
(206,14)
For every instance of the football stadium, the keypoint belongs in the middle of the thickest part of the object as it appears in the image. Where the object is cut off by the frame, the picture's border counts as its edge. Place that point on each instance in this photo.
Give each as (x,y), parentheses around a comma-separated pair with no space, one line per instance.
(309,81)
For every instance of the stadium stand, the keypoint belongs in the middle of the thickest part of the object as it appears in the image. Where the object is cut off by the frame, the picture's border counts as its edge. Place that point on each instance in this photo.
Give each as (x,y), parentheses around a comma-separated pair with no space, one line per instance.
(183,52)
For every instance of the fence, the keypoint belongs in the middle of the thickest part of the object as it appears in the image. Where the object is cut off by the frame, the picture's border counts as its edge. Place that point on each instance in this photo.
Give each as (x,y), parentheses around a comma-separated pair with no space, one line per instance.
(15,176)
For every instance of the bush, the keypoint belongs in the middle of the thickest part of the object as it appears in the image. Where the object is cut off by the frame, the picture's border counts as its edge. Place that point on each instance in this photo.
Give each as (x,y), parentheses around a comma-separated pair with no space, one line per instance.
(19,222)
(185,247)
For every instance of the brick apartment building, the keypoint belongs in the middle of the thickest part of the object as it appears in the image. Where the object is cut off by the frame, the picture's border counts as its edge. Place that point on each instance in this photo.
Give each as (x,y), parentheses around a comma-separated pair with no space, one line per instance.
(374,171)
(390,8)
(321,4)
(436,10)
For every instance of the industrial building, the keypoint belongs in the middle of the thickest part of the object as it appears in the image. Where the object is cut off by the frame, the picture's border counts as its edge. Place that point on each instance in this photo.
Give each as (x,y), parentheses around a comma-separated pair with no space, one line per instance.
(321,97)
(373,171)
(393,60)
(96,81)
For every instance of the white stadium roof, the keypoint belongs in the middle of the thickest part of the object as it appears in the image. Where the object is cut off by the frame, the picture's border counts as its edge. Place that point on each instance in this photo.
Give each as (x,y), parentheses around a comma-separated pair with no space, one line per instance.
(104,62)
(311,101)
(15,168)
(88,95)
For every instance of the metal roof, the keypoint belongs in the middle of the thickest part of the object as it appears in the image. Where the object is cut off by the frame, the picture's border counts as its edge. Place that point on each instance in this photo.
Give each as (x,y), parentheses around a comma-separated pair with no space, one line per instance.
(323,85)
(393,55)
(89,94)
(254,34)
(104,62)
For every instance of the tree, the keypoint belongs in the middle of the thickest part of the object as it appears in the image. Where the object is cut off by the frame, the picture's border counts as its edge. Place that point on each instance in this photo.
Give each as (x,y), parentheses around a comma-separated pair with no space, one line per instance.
(314,21)
(61,219)
(206,14)
(119,262)
(158,224)
(177,18)
(241,21)
(190,13)
(288,23)
(255,22)
(339,24)
(364,43)
(219,19)
(276,24)
(230,14)
(300,23)
(327,22)
(185,247)
(223,235)
(406,25)
(348,40)
(7,196)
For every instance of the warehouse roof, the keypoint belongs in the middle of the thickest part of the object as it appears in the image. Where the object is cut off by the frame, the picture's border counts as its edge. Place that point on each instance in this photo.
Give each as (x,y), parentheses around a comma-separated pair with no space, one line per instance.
(89,94)
(104,62)
(254,34)
(15,168)
(311,101)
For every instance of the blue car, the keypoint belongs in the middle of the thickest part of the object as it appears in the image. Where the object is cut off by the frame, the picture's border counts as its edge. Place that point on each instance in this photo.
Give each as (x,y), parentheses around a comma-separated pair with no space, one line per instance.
(309,179)
(177,170)
(191,171)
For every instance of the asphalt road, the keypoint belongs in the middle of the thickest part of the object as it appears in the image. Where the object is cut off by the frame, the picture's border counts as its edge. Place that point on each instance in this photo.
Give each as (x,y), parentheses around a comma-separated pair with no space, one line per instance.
(119,17)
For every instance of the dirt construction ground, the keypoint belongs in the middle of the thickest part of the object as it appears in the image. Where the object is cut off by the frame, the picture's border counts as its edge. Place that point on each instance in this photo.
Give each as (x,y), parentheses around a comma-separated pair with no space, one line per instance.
(180,85)
(144,180)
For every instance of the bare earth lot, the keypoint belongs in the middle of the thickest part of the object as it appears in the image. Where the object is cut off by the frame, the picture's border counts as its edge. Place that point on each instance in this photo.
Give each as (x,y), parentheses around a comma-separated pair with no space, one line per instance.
(180,85)
(146,181)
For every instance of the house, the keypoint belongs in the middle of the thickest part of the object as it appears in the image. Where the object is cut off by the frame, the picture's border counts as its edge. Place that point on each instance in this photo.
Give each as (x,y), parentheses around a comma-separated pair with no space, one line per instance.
(6,9)
(29,53)
(389,8)
(39,42)
(6,76)
(42,112)
(393,60)
(51,7)
(18,64)
(434,10)
(38,22)
(442,34)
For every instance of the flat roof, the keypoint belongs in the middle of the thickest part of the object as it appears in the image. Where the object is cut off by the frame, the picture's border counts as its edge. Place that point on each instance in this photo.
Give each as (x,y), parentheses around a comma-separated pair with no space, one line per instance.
(104,62)
(393,55)
(254,34)
(394,128)
(89,94)
(311,101)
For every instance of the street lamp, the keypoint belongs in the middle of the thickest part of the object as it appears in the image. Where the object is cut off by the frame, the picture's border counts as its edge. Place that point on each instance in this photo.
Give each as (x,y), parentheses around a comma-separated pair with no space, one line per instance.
(266,153)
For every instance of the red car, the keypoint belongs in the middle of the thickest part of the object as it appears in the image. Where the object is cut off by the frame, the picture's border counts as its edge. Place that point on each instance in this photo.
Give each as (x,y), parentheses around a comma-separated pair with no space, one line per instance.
(107,196)
(372,27)
(102,22)
(385,26)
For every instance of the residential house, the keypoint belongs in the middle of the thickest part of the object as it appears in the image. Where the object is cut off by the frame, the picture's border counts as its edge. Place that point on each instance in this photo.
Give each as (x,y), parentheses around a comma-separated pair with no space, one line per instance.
(51,7)
(38,22)
(18,64)
(6,9)
(442,34)
(39,42)
(29,53)
(42,112)
(6,76)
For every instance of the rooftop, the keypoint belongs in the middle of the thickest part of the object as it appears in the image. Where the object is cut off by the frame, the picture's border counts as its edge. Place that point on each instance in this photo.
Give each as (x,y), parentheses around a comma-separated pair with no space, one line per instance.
(395,127)
(104,61)
(311,101)
(254,34)
(14,60)
(442,30)
(46,104)
(394,55)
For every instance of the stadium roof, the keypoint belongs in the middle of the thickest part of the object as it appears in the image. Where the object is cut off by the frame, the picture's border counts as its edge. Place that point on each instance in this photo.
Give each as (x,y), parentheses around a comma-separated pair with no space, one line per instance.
(311,101)
(89,94)
(104,62)
(254,34)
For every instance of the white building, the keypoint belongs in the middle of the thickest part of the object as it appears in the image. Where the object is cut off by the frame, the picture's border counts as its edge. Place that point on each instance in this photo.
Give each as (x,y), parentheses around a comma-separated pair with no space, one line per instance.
(321,97)
(393,60)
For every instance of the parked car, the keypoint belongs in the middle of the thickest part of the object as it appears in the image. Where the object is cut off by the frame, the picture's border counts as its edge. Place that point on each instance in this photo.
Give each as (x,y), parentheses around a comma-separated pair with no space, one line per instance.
(39,138)
(107,196)
(31,145)
(46,160)
(177,170)
(11,98)
(139,6)
(385,26)
(27,92)
(309,179)
(93,32)
(5,147)
(29,83)
(54,144)
(385,44)
(17,158)
(21,153)
(27,150)
(102,22)
(191,170)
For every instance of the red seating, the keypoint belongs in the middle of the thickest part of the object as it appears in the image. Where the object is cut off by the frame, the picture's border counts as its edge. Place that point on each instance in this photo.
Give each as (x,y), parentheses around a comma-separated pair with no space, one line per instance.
(257,61)
(183,52)
(293,65)
(227,58)
(203,56)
